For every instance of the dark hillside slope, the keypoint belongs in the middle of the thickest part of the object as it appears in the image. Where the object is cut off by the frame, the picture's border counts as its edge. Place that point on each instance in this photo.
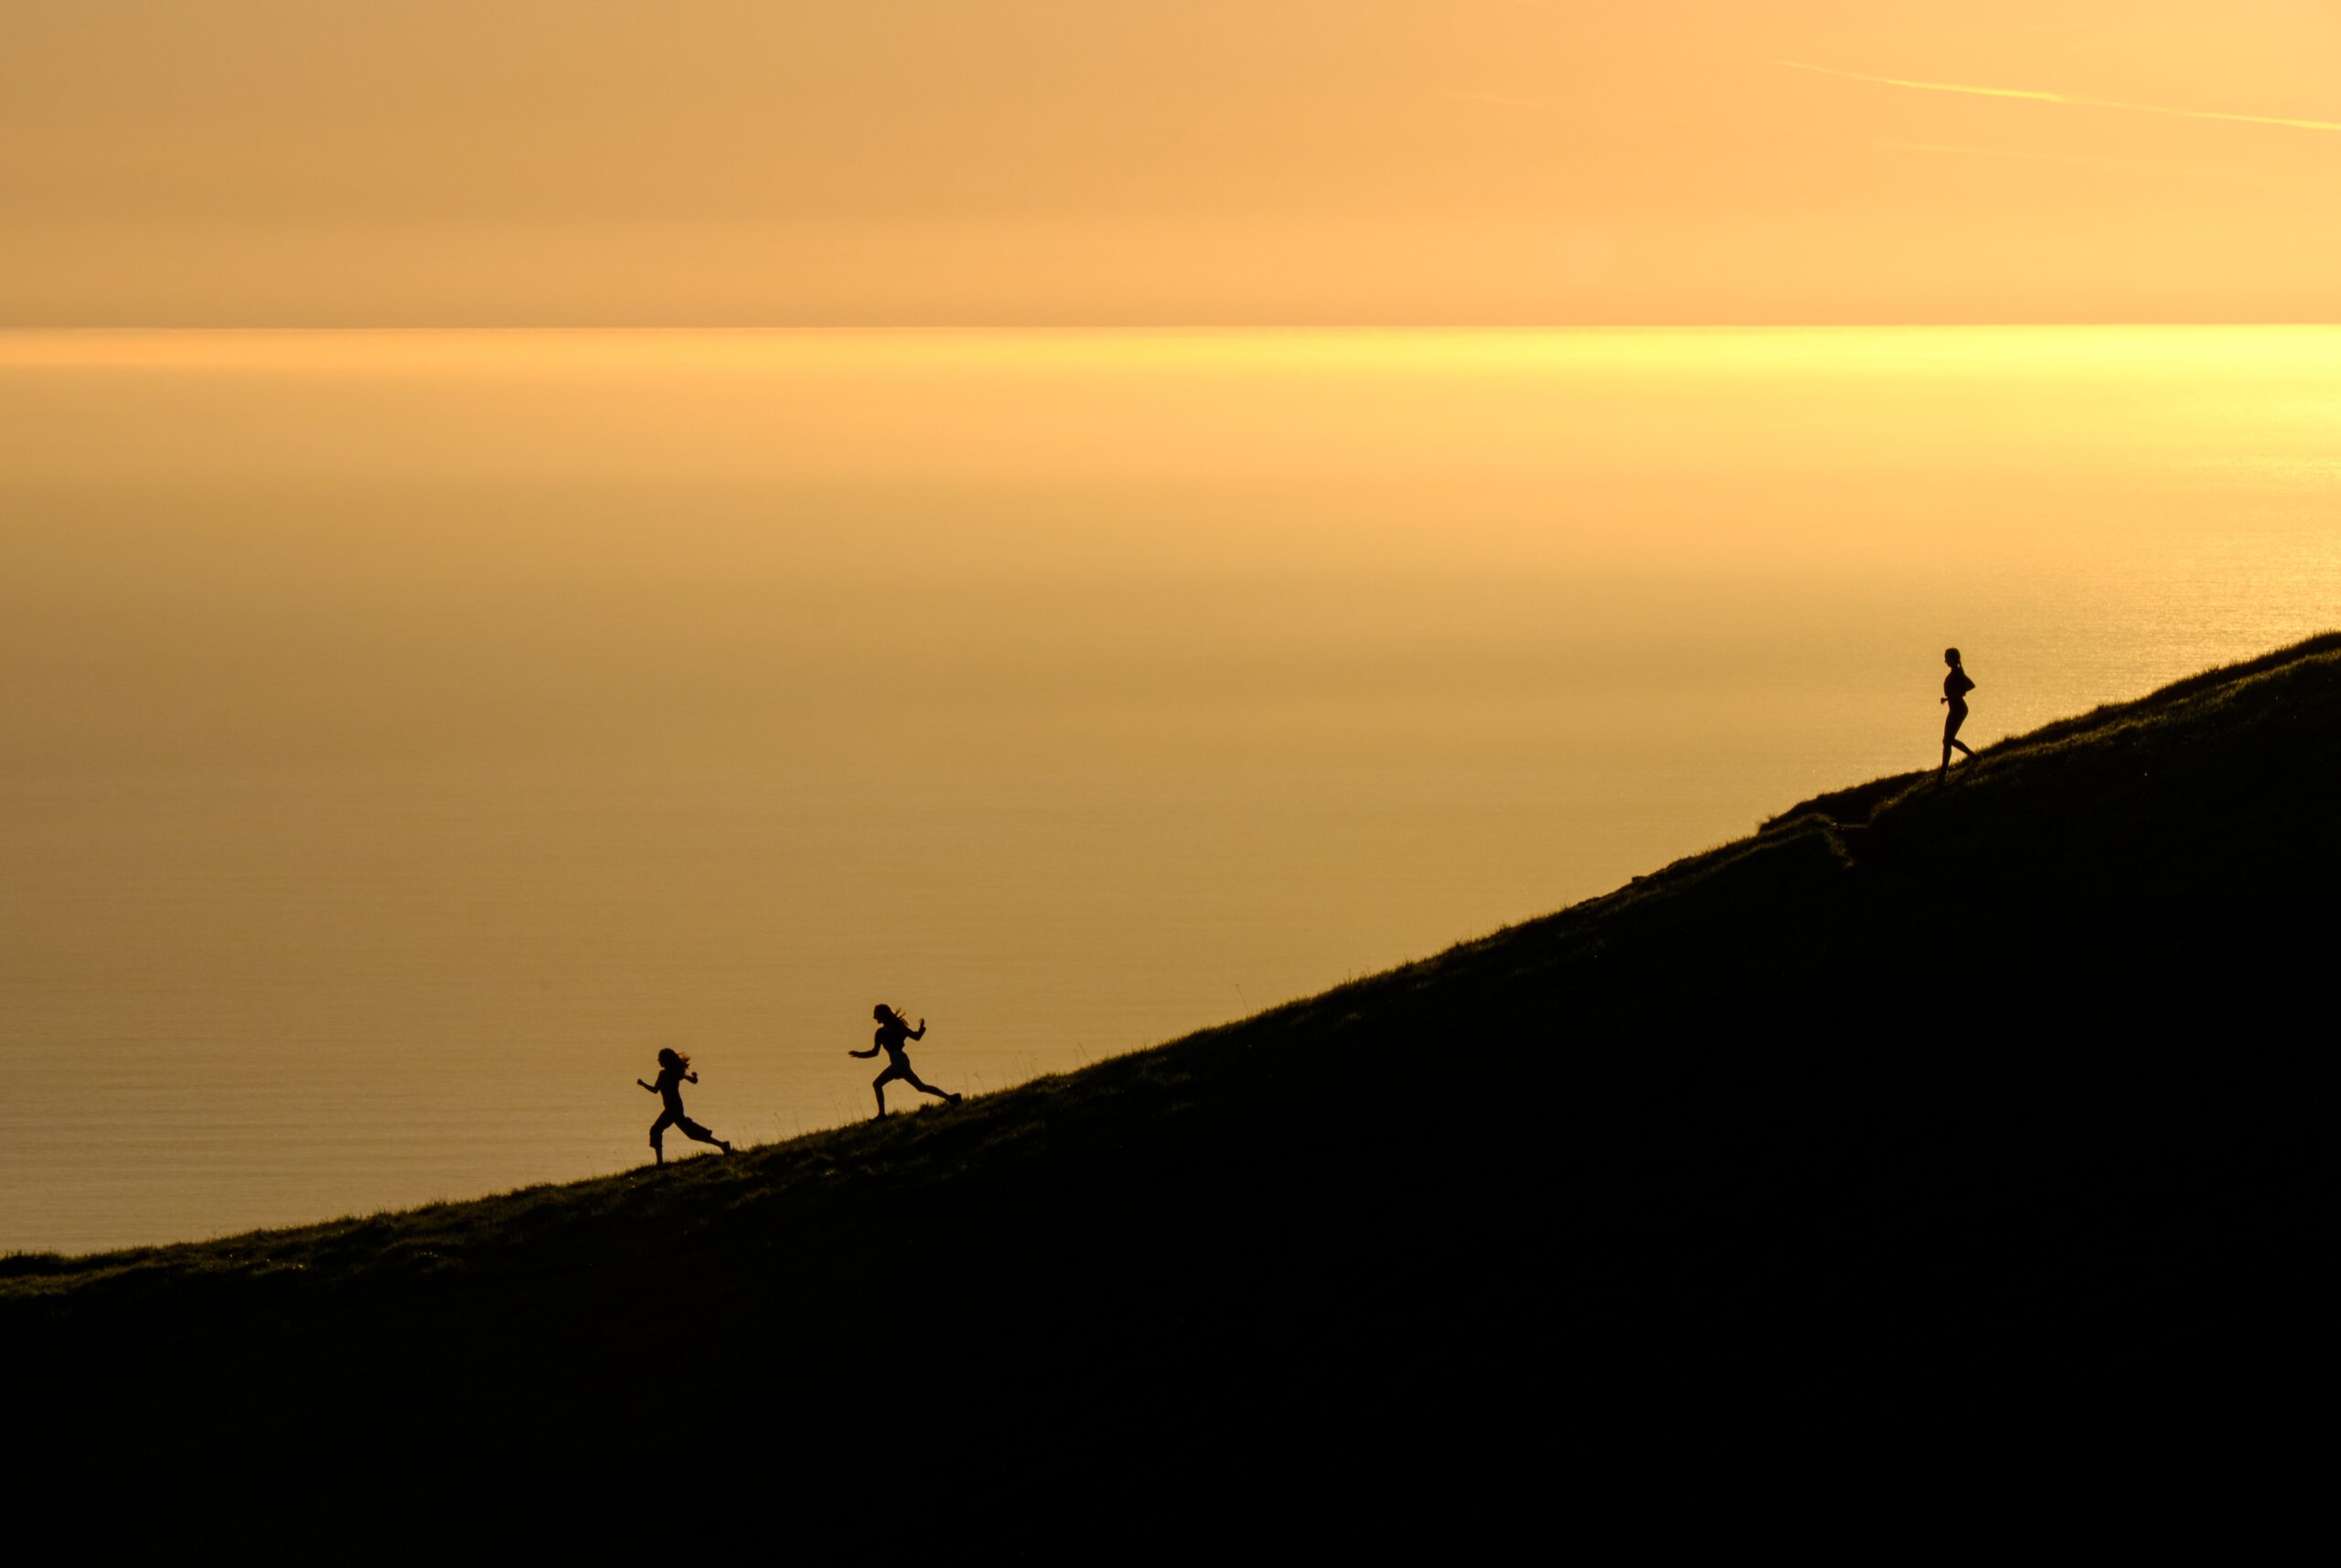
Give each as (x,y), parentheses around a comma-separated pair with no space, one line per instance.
(1930,1120)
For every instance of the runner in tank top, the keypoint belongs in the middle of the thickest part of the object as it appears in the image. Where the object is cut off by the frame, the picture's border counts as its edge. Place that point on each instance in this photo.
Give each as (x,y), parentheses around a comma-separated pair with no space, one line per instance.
(674,1068)
(1955,687)
(891,1036)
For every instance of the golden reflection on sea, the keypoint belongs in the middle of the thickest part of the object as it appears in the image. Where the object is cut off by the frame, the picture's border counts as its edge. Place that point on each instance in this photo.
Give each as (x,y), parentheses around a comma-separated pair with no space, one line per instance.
(407,734)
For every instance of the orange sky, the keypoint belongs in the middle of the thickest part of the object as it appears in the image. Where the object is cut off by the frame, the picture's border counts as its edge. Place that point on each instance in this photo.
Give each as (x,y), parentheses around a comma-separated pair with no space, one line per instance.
(586,162)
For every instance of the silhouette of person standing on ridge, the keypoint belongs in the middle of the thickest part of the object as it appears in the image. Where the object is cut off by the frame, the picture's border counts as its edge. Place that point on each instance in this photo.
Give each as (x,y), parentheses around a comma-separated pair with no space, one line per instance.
(1955,687)
(674,1067)
(892,1034)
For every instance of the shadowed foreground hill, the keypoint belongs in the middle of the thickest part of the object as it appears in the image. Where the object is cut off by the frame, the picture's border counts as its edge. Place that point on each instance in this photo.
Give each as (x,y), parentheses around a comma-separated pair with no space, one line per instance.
(1929,1121)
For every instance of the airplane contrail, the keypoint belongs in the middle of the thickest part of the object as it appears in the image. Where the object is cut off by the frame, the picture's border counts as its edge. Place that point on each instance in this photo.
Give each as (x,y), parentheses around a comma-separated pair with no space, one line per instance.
(2066,99)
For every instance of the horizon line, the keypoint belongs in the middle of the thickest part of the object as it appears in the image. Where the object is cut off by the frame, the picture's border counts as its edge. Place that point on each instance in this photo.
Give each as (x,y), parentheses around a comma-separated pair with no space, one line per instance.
(26,329)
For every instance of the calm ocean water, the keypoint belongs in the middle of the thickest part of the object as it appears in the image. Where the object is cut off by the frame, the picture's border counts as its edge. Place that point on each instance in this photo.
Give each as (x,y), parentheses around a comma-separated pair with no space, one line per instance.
(403,735)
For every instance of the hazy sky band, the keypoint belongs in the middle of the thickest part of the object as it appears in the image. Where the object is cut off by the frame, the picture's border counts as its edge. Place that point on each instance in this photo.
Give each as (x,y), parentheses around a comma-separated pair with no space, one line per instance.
(1142,162)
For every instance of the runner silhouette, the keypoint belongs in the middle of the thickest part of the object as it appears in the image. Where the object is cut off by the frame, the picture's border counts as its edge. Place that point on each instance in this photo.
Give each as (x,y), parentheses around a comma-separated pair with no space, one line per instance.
(892,1032)
(674,1067)
(1955,687)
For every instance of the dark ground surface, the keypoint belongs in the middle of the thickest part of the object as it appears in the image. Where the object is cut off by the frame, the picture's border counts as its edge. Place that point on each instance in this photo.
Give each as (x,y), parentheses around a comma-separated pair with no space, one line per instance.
(1961,1131)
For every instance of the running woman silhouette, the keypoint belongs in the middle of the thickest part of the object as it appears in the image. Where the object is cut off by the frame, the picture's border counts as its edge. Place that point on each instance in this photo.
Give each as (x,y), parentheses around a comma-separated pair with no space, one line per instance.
(892,1032)
(1955,687)
(674,1067)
